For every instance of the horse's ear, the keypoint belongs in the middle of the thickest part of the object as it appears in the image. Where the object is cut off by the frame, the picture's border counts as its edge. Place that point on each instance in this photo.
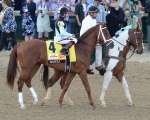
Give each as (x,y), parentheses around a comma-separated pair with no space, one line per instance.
(105,23)
(138,27)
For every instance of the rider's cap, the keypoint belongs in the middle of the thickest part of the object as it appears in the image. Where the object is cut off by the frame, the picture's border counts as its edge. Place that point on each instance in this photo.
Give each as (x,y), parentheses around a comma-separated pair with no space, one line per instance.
(93,9)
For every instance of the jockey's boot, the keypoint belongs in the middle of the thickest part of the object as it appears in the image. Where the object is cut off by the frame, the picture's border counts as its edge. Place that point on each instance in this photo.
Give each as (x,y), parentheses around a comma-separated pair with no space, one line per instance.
(65,48)
(46,38)
(40,38)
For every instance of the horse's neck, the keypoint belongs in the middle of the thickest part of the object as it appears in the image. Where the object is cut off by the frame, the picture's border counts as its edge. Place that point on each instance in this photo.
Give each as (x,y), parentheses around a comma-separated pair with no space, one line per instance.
(121,47)
(87,44)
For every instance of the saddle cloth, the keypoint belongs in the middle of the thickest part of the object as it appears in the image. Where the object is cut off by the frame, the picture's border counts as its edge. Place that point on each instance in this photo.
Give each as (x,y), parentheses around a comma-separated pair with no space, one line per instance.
(54,55)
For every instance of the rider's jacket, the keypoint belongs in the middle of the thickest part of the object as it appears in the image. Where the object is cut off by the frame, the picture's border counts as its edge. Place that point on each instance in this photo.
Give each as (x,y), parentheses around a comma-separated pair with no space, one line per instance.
(61,28)
(87,23)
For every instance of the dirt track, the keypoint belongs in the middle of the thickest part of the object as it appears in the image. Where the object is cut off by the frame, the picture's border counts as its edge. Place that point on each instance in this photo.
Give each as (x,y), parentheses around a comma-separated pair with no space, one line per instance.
(137,74)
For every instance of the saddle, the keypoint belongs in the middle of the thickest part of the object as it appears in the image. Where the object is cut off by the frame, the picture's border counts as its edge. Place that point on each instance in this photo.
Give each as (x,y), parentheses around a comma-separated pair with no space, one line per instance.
(55,56)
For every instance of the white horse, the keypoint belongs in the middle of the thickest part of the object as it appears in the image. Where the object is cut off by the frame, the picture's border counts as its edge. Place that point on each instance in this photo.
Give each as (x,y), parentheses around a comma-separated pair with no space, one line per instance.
(116,59)
(115,62)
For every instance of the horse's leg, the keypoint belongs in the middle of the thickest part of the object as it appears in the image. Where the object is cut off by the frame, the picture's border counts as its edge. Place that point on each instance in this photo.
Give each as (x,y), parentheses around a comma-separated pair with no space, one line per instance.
(28,83)
(122,79)
(66,97)
(126,88)
(20,95)
(107,79)
(83,76)
(51,82)
(69,79)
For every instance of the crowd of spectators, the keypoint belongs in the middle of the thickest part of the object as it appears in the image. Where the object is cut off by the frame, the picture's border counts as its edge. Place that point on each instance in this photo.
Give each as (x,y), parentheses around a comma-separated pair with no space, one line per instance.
(110,11)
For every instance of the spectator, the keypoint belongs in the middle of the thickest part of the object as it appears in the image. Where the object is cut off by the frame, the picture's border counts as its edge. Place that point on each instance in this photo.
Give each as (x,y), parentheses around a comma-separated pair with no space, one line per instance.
(1,8)
(115,20)
(12,4)
(43,21)
(89,1)
(35,1)
(73,4)
(101,17)
(18,4)
(8,25)
(54,4)
(147,9)
(28,25)
(80,13)
(134,6)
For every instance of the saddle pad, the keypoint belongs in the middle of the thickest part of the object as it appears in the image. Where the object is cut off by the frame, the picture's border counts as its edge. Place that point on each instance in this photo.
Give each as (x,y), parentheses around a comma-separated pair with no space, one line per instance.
(54,55)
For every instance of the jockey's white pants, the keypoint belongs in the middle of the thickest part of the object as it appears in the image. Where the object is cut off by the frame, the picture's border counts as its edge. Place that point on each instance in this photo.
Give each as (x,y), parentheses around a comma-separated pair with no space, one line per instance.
(64,40)
(98,55)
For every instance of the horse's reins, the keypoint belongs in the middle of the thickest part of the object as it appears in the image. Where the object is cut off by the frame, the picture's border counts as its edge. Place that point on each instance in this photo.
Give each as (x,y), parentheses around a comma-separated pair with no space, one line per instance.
(114,57)
(100,31)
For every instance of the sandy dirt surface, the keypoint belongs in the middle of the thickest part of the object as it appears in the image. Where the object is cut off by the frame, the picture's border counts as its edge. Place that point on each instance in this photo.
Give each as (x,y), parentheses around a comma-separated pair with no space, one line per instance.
(137,74)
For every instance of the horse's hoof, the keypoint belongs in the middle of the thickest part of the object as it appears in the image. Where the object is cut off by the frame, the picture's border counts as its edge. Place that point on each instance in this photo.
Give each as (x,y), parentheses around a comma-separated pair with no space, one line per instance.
(130,104)
(22,107)
(93,107)
(71,103)
(60,106)
(35,102)
(44,101)
(103,105)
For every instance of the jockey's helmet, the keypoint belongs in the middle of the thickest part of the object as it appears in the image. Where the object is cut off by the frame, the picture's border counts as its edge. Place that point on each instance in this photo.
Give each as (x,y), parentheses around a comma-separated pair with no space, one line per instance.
(93,9)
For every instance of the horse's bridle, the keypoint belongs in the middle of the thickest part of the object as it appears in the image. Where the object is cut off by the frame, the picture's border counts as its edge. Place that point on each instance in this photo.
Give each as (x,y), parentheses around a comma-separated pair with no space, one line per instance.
(135,37)
(101,32)
(98,37)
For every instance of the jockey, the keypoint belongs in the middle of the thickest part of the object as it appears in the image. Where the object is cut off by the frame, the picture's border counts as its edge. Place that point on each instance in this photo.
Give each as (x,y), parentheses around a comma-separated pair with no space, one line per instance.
(62,36)
(88,22)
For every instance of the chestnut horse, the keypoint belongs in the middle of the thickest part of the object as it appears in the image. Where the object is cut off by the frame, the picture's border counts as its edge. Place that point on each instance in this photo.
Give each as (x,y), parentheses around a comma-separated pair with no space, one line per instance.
(33,53)
(114,62)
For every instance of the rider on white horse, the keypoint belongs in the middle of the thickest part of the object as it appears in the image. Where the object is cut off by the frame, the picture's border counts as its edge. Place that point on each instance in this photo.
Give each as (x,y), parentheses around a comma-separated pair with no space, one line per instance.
(62,36)
(88,22)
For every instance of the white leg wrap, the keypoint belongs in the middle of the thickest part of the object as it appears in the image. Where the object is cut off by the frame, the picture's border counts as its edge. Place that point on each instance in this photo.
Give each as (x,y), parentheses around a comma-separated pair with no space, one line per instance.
(34,95)
(98,56)
(20,97)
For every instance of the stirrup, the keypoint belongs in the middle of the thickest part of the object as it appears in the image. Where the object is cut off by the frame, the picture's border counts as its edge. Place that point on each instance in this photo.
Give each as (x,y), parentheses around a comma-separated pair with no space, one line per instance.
(64,51)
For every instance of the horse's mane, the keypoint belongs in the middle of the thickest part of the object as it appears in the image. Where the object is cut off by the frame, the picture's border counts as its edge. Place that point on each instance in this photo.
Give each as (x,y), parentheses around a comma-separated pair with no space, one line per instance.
(89,31)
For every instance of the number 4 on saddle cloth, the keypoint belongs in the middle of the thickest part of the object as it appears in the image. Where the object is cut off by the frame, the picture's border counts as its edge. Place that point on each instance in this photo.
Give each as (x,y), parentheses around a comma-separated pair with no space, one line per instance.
(54,55)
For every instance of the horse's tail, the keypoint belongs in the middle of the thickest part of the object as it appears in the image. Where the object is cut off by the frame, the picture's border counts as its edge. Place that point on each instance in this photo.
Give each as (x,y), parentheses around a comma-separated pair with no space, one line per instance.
(45,76)
(12,67)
